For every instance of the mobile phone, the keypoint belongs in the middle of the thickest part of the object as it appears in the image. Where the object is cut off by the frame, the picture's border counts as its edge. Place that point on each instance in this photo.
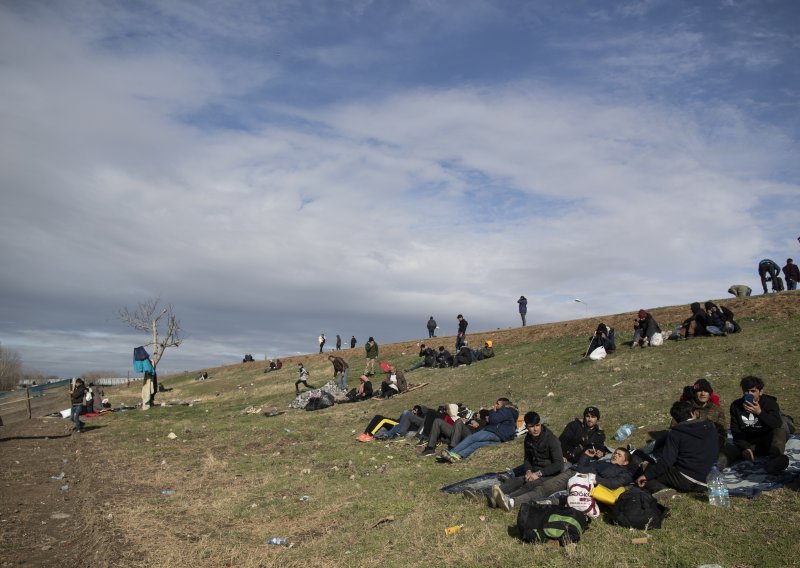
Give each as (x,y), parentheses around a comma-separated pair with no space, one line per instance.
(748,397)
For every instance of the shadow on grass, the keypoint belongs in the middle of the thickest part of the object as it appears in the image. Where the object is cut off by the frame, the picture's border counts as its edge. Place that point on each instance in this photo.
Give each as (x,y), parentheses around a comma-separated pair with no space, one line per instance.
(46,437)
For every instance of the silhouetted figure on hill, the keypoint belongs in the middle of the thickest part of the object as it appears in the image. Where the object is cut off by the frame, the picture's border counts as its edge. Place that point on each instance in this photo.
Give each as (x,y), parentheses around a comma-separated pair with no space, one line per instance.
(792,274)
(431,327)
(768,271)
(353,342)
(523,308)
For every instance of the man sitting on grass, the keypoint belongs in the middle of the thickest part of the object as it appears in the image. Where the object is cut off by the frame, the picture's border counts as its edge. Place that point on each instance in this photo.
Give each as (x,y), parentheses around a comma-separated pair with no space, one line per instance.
(683,462)
(501,427)
(757,427)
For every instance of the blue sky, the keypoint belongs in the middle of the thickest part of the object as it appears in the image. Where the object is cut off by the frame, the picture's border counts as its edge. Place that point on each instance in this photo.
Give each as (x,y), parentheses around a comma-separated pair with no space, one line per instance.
(279,169)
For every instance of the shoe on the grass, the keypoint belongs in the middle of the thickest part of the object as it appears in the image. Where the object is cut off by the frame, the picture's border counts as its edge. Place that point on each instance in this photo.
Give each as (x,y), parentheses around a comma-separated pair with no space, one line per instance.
(454,457)
(428,451)
(471,495)
(777,464)
(665,495)
(445,456)
(364,437)
(501,500)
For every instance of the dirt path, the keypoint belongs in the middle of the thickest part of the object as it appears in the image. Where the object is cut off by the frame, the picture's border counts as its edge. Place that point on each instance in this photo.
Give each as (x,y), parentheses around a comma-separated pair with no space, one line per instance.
(46,521)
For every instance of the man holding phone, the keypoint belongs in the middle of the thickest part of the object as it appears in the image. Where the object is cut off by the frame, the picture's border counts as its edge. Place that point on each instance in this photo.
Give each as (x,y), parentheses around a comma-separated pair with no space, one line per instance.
(757,427)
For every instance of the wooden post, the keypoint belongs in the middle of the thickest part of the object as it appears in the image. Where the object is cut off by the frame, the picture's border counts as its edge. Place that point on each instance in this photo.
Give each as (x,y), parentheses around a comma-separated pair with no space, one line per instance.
(28,399)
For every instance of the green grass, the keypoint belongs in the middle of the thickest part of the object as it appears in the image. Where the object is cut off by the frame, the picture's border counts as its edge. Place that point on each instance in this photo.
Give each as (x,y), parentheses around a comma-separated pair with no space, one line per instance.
(239,478)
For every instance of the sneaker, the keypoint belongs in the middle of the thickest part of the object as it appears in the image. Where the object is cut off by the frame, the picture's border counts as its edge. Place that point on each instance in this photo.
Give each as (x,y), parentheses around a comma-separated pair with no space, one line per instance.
(454,457)
(364,437)
(501,500)
(422,442)
(428,451)
(777,464)
(471,495)
(445,456)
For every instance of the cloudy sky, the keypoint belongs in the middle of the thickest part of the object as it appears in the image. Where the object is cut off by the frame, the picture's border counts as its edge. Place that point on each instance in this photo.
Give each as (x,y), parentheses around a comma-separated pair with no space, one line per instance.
(279,169)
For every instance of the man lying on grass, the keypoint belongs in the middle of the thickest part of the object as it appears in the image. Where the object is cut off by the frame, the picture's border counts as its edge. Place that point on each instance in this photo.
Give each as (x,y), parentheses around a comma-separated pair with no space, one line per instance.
(501,427)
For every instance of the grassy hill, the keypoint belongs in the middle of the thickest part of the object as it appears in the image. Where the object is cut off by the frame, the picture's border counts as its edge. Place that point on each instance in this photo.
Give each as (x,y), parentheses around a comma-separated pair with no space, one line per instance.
(239,478)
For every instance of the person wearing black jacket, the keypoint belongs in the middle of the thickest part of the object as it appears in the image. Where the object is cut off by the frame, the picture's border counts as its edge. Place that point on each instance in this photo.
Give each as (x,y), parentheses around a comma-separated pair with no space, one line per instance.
(695,324)
(689,451)
(431,325)
(443,358)
(613,473)
(644,329)
(757,427)
(768,267)
(462,331)
(76,394)
(583,440)
(543,468)
(428,358)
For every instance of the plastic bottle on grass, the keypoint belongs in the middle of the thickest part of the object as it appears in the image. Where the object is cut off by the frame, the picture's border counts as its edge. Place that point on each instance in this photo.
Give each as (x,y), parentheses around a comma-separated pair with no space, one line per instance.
(624,431)
(717,488)
(278,540)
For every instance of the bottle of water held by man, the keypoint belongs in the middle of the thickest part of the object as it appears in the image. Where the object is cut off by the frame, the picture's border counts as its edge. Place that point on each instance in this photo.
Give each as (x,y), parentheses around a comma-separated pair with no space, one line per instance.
(717,488)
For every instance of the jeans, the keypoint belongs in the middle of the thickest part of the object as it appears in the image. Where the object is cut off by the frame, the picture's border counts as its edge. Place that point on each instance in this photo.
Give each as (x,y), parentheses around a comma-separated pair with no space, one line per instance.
(527,492)
(77,410)
(343,379)
(430,333)
(477,440)
(522,317)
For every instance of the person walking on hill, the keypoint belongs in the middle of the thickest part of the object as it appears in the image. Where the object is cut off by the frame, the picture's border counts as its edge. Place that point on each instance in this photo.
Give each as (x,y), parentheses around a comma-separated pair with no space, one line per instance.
(321,340)
(371,349)
(523,308)
(338,342)
(792,274)
(768,267)
(431,327)
(340,370)
(353,342)
(462,331)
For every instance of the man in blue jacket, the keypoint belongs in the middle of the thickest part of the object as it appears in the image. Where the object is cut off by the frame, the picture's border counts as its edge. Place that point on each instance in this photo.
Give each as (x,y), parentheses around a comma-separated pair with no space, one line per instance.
(501,427)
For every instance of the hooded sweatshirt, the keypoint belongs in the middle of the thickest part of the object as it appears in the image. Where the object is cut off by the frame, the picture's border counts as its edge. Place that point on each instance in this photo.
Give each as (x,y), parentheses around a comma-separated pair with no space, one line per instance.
(691,447)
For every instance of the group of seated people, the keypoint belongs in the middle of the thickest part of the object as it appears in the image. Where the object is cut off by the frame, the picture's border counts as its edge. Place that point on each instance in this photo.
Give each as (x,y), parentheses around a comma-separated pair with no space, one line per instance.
(443,359)
(680,459)
(274,365)
(705,320)
(393,383)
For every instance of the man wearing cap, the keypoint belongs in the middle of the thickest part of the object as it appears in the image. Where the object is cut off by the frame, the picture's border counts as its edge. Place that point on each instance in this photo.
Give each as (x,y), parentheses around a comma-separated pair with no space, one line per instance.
(583,440)
(706,403)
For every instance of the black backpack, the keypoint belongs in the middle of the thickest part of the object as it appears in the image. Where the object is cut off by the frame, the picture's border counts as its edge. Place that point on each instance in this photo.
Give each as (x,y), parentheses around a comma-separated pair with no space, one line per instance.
(324,400)
(638,509)
(539,523)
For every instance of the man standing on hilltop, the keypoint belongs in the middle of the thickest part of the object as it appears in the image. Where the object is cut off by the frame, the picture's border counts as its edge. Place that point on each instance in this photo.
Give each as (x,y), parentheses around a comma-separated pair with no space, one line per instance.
(353,342)
(431,327)
(792,274)
(321,340)
(372,356)
(462,331)
(523,308)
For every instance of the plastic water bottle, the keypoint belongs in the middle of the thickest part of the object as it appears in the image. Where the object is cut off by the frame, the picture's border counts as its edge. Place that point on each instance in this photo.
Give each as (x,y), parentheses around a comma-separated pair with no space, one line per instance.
(279,541)
(623,432)
(717,488)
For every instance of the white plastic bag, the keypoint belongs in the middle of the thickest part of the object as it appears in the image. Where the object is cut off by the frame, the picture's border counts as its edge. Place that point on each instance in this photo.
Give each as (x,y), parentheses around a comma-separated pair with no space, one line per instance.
(597,354)
(657,339)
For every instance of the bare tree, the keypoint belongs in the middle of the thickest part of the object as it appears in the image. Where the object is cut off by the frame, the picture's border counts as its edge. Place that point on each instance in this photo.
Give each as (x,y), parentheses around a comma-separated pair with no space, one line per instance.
(10,368)
(161,324)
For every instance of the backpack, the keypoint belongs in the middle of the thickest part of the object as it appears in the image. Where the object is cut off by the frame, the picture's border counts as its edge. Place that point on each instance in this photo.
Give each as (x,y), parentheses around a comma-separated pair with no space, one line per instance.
(539,523)
(638,509)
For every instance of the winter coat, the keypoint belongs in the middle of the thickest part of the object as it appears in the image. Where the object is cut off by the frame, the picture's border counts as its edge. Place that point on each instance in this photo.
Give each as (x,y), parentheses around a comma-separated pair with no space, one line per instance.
(691,447)
(543,453)
(576,438)
(607,474)
(431,324)
(523,305)
(503,423)
(372,350)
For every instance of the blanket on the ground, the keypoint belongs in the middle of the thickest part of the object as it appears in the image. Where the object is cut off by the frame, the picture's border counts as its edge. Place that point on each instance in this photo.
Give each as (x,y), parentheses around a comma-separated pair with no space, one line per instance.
(744,478)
